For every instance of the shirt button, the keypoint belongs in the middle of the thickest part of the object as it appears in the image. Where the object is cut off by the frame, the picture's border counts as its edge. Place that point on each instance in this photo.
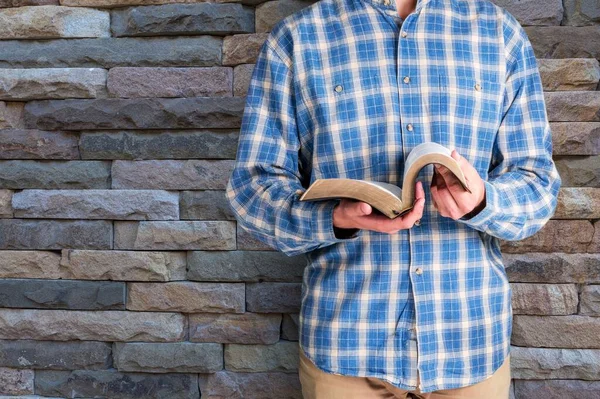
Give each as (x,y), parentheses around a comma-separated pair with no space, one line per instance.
(386,2)
(418,222)
(404,34)
(409,127)
(418,270)
(406,79)
(477,86)
(338,88)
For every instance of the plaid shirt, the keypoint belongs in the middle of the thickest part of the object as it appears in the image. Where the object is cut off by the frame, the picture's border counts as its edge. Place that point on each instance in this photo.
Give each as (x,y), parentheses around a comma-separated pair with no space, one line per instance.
(346,88)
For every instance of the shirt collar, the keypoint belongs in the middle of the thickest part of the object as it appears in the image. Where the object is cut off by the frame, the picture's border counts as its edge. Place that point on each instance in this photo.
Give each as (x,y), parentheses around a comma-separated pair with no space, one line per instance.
(391,5)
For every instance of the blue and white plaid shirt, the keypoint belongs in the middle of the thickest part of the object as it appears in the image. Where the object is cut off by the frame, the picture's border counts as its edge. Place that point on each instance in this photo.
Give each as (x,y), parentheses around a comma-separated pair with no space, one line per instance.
(346,88)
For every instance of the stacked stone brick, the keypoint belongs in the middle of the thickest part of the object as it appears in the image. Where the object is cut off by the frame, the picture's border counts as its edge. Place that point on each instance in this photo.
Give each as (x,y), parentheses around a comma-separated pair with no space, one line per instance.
(122,271)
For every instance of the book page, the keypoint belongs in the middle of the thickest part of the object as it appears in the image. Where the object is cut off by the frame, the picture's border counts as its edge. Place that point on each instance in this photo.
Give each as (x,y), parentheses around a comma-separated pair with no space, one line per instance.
(421,150)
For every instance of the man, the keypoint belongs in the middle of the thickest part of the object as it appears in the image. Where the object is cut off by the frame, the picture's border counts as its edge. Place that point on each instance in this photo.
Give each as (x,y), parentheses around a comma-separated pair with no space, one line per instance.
(418,306)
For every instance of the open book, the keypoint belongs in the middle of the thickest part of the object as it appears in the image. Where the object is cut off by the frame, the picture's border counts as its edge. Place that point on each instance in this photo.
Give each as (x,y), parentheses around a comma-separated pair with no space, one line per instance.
(387,198)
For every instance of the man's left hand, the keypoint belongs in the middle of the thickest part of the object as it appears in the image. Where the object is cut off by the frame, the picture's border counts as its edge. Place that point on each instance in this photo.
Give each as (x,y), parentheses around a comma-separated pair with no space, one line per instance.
(449,197)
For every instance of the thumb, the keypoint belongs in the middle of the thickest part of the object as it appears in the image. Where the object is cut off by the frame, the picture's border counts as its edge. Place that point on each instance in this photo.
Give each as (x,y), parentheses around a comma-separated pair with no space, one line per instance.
(362,208)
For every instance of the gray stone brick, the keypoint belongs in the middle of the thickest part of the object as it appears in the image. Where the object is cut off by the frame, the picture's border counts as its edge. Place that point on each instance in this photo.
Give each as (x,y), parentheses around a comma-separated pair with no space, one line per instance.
(51,83)
(271,12)
(242,74)
(98,325)
(290,326)
(12,114)
(116,385)
(54,174)
(6,210)
(62,294)
(557,389)
(38,144)
(16,382)
(225,384)
(244,266)
(565,41)
(578,203)
(581,12)
(544,363)
(192,174)
(579,171)
(29,264)
(53,22)
(182,235)
(97,204)
(21,3)
(170,82)
(175,144)
(179,19)
(533,12)
(123,265)
(205,205)
(273,297)
(569,74)
(244,328)
(544,299)
(175,357)
(55,355)
(186,297)
(111,52)
(122,3)
(55,234)
(282,356)
(575,138)
(572,106)
(248,242)
(572,331)
(242,49)
(590,300)
(142,113)
(553,267)
(556,236)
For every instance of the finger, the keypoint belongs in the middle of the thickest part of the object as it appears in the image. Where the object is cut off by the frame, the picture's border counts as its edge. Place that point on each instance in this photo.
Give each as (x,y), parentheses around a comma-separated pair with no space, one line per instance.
(446,202)
(452,183)
(409,219)
(361,209)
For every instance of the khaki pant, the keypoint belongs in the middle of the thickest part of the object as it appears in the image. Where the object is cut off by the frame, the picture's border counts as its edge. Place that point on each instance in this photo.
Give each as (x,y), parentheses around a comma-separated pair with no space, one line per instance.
(317,384)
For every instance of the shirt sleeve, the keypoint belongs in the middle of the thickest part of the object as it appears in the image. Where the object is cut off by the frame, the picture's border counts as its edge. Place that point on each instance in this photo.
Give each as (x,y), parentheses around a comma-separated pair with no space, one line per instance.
(266,183)
(523,184)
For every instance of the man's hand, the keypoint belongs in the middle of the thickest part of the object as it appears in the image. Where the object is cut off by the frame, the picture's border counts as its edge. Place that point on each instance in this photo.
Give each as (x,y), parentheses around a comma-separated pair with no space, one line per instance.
(351,214)
(448,195)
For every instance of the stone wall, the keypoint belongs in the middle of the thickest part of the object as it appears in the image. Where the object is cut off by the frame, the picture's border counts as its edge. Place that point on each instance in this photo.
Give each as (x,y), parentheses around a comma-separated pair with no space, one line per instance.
(122,271)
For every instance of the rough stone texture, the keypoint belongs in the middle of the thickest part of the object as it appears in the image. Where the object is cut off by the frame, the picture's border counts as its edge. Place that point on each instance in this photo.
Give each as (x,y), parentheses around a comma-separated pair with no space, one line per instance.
(556,331)
(581,12)
(244,266)
(565,41)
(273,297)
(183,235)
(225,384)
(557,389)
(247,242)
(47,22)
(111,52)
(534,12)
(556,236)
(579,171)
(190,174)
(205,205)
(186,297)
(242,49)
(544,299)
(21,3)
(178,19)
(16,382)
(142,113)
(54,174)
(245,328)
(38,144)
(29,264)
(148,144)
(572,106)
(271,12)
(122,3)
(62,294)
(282,356)
(570,73)
(575,138)
(11,114)
(289,327)
(241,79)
(170,82)
(553,267)
(178,357)
(98,325)
(123,265)
(55,355)
(97,204)
(5,203)
(55,234)
(590,300)
(578,203)
(51,83)
(116,385)
(543,363)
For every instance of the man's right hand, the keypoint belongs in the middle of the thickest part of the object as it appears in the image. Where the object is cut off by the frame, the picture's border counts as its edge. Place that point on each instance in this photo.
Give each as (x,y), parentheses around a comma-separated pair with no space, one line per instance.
(351,214)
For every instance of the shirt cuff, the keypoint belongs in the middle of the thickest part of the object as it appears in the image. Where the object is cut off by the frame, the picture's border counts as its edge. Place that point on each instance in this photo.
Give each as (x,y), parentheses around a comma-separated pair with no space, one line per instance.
(322,224)
(484,217)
